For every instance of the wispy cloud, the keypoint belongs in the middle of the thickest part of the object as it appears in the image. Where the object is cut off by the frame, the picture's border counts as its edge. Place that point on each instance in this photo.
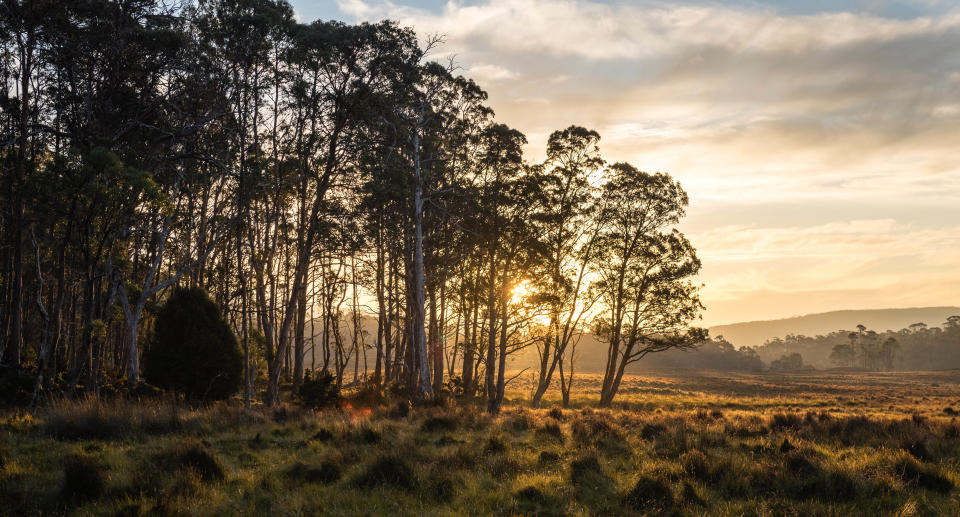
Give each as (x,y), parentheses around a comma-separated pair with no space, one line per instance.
(765,117)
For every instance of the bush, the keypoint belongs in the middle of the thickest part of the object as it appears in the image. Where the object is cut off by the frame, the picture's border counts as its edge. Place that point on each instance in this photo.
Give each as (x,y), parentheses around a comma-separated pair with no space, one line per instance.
(193,350)
(319,390)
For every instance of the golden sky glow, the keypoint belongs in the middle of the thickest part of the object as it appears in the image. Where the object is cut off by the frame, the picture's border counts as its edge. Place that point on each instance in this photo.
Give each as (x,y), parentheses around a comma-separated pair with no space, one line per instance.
(819,147)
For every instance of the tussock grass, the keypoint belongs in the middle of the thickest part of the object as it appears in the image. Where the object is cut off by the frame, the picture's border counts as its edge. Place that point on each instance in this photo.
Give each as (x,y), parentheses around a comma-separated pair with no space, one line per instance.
(389,471)
(94,419)
(675,452)
(650,495)
(192,455)
(83,479)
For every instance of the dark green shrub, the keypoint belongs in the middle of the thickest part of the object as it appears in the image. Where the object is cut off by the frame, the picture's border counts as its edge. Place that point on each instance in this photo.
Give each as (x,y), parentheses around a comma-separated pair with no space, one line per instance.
(319,390)
(193,349)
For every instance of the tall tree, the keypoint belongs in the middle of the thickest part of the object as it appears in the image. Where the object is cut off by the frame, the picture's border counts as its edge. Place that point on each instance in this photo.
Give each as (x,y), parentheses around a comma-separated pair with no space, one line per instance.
(644,278)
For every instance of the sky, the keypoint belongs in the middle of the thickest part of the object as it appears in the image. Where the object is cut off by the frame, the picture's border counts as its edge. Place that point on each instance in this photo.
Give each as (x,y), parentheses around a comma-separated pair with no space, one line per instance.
(819,140)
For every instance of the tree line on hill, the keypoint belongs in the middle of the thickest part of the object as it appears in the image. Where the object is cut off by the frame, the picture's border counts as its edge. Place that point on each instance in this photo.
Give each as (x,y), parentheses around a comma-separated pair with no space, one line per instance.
(303,173)
(916,347)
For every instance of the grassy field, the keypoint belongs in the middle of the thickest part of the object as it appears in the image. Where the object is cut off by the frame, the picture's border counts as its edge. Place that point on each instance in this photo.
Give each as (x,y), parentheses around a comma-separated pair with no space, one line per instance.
(696,443)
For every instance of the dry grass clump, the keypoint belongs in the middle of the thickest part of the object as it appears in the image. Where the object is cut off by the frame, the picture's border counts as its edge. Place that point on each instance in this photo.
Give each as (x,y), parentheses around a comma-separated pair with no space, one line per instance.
(442,486)
(650,495)
(439,423)
(547,458)
(551,431)
(194,456)
(531,500)
(593,486)
(597,429)
(495,445)
(84,479)
(923,475)
(327,472)
(387,471)
(367,435)
(694,464)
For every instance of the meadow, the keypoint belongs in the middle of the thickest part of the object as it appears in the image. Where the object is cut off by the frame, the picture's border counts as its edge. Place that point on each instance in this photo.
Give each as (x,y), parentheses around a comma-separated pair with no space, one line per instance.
(677,443)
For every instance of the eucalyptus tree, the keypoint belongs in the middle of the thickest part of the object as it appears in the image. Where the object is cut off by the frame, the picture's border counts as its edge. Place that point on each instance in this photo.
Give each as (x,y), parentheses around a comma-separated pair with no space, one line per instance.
(458,115)
(569,225)
(357,64)
(645,274)
(119,136)
(508,195)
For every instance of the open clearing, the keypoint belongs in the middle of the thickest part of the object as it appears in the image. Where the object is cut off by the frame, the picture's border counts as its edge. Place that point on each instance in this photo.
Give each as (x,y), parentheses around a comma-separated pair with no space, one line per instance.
(686,443)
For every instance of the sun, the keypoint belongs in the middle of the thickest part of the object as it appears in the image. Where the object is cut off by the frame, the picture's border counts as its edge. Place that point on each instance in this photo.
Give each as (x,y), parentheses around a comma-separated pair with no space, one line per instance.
(520,291)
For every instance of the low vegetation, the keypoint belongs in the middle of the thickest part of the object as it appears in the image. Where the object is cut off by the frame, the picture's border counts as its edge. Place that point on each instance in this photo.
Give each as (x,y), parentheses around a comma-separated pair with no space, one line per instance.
(703,445)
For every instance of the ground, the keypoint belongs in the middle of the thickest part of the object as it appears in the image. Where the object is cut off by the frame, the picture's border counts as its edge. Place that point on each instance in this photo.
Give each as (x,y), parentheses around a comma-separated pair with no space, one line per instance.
(684,443)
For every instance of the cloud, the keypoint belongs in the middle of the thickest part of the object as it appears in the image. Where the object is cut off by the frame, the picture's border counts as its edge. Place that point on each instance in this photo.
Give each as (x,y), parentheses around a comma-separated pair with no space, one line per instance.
(605,31)
(487,73)
(819,150)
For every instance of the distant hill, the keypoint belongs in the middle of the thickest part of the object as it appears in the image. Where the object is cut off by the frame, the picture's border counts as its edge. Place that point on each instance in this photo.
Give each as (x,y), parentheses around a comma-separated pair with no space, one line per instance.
(754,333)
(591,352)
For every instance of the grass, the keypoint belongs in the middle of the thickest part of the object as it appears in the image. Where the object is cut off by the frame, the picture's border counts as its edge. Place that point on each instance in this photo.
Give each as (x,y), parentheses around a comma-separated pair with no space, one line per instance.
(703,444)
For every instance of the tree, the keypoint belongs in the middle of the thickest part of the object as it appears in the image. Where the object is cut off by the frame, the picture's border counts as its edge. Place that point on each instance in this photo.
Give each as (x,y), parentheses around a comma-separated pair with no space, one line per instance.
(843,355)
(788,362)
(569,226)
(644,277)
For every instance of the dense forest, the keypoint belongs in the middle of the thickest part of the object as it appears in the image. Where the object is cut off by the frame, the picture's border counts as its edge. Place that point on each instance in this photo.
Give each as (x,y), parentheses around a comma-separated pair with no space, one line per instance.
(306,176)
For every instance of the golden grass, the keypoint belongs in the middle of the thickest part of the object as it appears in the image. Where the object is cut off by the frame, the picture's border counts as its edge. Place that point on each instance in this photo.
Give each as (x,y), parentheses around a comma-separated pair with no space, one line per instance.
(701,444)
